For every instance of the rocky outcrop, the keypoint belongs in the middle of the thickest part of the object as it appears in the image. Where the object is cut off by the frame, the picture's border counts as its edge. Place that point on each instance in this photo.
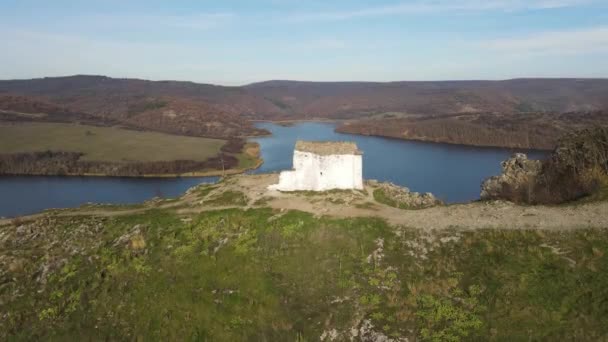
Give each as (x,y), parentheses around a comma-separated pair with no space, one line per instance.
(401,197)
(577,168)
(516,181)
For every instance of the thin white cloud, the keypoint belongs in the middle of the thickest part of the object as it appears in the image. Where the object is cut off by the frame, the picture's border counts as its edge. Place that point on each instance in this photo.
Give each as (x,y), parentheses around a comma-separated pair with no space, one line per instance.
(549,4)
(197,21)
(201,21)
(438,6)
(577,41)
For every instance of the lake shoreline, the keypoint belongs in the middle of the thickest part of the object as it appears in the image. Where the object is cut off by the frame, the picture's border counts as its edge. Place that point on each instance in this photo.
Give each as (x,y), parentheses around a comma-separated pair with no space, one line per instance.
(453,173)
(436,142)
(250,149)
(421,166)
(218,173)
(350,203)
(293,122)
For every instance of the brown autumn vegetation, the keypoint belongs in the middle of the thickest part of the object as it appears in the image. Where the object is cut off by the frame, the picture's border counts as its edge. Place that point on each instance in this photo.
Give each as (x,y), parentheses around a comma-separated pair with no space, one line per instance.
(190,117)
(16,108)
(235,145)
(168,115)
(349,100)
(523,113)
(528,131)
(111,97)
(577,168)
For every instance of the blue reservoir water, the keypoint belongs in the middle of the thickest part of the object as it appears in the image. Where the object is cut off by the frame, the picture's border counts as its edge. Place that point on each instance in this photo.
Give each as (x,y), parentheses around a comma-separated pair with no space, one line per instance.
(453,173)
(21,195)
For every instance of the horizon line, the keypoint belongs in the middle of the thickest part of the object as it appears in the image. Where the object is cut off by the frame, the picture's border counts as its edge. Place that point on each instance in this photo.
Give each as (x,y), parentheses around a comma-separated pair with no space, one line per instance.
(305,81)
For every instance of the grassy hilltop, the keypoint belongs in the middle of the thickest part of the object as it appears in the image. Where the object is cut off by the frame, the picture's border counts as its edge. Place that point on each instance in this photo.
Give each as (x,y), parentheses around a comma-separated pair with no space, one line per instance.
(228,262)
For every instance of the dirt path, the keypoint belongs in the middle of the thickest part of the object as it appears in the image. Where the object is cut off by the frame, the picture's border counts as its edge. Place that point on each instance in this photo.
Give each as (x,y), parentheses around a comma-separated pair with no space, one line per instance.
(468,216)
(475,215)
(346,204)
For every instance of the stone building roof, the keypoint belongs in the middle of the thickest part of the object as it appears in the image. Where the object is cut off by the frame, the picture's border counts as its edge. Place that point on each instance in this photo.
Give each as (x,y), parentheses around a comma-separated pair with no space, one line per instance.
(326,148)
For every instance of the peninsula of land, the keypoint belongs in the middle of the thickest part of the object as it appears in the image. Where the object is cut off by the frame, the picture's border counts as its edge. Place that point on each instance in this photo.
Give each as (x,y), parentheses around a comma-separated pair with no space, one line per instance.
(518,113)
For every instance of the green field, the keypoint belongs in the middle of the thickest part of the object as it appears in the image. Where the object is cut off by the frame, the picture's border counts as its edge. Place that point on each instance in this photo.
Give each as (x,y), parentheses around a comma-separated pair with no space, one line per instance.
(259,275)
(107,144)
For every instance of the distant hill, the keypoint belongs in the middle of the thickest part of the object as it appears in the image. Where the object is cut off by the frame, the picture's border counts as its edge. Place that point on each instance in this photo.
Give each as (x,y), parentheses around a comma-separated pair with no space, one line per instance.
(519,113)
(173,107)
(218,111)
(17,108)
(355,99)
(111,97)
(515,130)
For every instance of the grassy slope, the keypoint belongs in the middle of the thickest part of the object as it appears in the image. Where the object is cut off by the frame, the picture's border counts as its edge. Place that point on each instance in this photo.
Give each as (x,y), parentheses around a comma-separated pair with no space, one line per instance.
(233,275)
(249,158)
(381,197)
(105,144)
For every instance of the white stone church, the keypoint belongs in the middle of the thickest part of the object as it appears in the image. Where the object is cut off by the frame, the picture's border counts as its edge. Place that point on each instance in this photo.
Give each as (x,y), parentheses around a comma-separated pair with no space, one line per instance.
(320,166)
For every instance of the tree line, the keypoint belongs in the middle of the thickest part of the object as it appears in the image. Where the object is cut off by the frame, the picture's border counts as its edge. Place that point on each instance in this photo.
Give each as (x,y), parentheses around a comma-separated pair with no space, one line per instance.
(57,163)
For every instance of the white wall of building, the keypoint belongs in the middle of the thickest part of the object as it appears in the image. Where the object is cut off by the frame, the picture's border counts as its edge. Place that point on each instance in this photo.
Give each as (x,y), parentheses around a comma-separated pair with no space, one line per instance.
(322,172)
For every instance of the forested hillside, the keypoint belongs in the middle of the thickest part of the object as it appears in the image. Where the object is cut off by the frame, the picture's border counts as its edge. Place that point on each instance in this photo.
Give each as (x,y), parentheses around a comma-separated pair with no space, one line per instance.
(530,113)
(528,131)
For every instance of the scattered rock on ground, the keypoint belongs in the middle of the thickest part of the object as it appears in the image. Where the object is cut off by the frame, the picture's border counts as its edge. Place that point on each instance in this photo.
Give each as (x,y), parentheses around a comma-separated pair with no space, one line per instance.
(404,198)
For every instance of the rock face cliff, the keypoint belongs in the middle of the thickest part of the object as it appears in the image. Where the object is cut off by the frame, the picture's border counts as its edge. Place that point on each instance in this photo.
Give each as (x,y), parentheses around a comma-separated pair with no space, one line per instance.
(516,181)
(577,168)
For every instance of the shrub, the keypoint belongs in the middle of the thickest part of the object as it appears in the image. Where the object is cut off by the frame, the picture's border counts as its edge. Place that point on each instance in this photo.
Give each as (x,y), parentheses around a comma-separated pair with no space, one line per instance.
(577,167)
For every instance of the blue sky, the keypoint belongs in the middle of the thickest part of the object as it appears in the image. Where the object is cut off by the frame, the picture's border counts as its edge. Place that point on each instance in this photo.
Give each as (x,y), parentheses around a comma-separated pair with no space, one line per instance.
(235,42)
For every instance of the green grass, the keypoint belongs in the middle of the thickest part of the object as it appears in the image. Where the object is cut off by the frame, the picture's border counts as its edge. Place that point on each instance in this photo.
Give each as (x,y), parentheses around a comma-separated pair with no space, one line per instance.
(381,197)
(105,143)
(205,189)
(228,198)
(245,161)
(233,275)
(249,158)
